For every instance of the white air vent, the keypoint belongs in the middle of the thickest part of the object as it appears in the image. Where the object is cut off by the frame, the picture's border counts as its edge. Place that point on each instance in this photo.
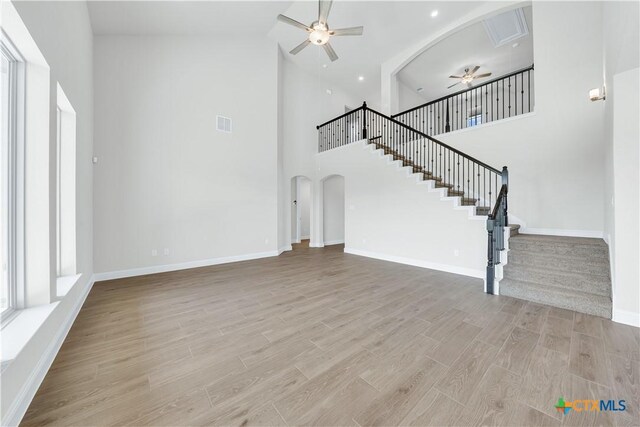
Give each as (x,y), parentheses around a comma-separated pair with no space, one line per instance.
(506,27)
(223,124)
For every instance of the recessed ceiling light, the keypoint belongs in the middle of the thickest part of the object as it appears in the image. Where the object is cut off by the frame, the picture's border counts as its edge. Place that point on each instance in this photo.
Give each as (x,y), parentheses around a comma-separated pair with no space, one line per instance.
(434,13)
(419,90)
(329,91)
(324,65)
(515,44)
(361,78)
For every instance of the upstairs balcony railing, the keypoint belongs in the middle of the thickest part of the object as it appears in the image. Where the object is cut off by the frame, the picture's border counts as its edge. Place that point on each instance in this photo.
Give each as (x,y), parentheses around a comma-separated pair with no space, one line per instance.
(507,96)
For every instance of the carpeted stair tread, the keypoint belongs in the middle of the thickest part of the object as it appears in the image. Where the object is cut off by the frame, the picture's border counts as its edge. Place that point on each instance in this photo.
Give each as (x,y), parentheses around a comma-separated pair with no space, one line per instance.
(590,265)
(563,240)
(599,285)
(482,210)
(583,302)
(578,250)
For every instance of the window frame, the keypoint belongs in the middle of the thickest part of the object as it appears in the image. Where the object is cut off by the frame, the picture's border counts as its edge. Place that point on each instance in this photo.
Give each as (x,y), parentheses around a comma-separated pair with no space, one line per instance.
(58,191)
(14,180)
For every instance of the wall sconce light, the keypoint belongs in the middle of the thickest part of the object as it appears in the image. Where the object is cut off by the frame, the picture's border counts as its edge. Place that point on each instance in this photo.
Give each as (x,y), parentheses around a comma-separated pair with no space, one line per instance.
(597,94)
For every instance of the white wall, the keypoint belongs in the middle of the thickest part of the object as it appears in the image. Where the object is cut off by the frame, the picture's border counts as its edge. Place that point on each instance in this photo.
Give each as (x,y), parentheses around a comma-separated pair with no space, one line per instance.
(304,203)
(305,104)
(555,155)
(389,215)
(620,21)
(626,185)
(282,189)
(166,179)
(408,97)
(333,210)
(62,31)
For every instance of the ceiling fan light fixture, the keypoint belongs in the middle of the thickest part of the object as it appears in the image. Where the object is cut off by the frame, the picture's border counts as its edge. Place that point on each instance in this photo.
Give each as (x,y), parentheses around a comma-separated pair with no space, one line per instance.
(320,34)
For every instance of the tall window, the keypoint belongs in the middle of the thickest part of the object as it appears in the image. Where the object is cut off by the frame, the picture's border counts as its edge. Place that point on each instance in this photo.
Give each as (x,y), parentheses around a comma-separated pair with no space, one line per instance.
(59,192)
(65,186)
(9,175)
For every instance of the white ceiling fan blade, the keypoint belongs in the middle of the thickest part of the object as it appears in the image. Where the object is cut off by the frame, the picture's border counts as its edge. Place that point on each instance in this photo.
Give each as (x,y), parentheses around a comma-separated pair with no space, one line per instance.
(352,31)
(476,68)
(324,7)
(332,53)
(457,83)
(455,77)
(301,46)
(293,22)
(479,76)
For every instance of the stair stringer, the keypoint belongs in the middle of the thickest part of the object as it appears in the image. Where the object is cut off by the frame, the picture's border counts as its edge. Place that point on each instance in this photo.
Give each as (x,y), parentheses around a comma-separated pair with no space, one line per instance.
(429,184)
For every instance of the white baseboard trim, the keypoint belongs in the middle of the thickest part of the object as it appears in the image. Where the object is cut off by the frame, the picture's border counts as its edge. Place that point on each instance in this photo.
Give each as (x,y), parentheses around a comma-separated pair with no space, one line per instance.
(316,245)
(142,271)
(566,233)
(19,407)
(626,317)
(305,237)
(480,274)
(334,242)
(285,248)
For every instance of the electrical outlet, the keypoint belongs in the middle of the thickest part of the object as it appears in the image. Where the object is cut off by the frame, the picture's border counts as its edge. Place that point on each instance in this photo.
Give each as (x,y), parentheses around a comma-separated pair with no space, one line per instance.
(154,252)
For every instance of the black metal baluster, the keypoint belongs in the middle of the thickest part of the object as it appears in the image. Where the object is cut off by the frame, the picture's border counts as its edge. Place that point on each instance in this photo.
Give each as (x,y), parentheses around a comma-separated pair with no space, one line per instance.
(515,94)
(509,91)
(521,93)
(529,92)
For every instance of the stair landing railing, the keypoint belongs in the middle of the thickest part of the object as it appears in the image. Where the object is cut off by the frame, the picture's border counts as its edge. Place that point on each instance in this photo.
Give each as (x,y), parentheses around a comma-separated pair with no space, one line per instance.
(503,97)
(478,184)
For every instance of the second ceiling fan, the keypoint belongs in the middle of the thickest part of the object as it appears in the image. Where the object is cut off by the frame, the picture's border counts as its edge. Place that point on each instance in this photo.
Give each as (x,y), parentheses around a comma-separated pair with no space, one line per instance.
(319,32)
(468,77)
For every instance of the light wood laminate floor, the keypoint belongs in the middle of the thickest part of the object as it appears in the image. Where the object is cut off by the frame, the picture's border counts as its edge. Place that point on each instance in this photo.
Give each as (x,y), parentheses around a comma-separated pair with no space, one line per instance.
(319,337)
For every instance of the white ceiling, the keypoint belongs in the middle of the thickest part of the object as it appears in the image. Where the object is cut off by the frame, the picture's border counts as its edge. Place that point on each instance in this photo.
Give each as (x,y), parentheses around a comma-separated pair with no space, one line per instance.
(388,27)
(181,17)
(464,49)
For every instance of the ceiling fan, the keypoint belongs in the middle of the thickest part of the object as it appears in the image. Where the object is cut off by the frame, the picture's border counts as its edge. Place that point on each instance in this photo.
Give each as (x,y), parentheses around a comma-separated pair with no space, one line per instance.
(319,32)
(468,77)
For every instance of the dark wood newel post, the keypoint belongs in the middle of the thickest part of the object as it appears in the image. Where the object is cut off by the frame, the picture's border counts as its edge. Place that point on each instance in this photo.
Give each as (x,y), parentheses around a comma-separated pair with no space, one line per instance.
(490,261)
(364,120)
(505,181)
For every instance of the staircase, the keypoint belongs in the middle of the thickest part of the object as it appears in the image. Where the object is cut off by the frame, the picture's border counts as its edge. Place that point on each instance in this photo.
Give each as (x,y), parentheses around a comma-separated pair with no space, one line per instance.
(564,272)
(428,175)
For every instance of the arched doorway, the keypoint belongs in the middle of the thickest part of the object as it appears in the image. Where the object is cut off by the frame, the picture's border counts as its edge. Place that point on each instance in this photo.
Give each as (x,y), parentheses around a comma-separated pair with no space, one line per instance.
(300,209)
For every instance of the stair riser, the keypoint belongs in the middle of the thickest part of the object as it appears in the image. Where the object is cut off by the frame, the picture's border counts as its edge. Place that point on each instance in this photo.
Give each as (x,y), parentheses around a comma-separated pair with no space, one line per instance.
(574,265)
(561,250)
(579,283)
(577,303)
